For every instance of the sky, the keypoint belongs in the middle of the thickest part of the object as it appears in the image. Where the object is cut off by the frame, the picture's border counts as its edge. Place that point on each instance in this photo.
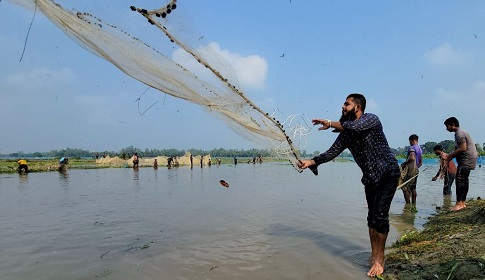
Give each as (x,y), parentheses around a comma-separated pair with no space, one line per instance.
(417,63)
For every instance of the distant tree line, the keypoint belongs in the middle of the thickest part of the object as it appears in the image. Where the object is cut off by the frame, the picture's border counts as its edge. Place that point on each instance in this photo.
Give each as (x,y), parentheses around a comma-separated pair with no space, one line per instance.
(68,152)
(448,146)
(129,151)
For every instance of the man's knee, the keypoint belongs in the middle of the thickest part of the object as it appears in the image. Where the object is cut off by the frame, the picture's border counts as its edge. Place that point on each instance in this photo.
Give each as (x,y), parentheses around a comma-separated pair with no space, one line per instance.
(379,223)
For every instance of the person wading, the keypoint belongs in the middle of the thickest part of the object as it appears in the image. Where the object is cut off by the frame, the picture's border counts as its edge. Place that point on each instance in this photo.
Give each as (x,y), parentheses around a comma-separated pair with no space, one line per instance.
(363,135)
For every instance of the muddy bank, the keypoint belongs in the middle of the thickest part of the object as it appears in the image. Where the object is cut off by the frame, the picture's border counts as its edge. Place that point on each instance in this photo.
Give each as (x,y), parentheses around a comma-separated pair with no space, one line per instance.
(452,246)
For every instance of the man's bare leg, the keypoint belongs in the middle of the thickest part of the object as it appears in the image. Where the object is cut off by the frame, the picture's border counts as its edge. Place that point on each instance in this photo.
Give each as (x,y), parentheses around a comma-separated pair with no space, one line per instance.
(407,195)
(378,243)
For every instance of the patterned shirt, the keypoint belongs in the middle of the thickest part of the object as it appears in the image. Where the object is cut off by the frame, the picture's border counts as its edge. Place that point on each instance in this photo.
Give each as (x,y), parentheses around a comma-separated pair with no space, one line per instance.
(366,141)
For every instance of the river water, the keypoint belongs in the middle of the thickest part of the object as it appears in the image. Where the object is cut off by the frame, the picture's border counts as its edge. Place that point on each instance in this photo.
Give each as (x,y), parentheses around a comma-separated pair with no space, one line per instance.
(271,223)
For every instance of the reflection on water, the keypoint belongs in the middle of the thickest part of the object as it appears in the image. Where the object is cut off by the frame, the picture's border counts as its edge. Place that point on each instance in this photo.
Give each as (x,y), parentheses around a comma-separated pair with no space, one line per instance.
(446,203)
(136,174)
(404,222)
(179,223)
(23,178)
(337,245)
(64,176)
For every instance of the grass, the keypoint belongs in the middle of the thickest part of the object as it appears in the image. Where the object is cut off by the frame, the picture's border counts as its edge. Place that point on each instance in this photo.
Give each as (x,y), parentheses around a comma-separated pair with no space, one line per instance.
(452,246)
(44,165)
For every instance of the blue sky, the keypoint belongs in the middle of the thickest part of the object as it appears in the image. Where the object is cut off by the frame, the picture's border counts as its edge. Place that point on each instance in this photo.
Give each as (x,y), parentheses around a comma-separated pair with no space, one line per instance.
(417,62)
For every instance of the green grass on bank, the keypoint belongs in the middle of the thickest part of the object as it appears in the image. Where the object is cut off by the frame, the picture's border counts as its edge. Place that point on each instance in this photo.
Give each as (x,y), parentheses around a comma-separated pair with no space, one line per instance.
(44,165)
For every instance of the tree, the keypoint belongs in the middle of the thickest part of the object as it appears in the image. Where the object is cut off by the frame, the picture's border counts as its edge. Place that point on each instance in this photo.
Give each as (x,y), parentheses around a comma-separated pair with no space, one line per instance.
(428,147)
(479,149)
(129,151)
(448,145)
(37,154)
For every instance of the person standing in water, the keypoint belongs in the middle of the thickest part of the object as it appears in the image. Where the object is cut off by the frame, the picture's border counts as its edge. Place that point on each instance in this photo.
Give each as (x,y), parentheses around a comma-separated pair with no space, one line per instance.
(446,170)
(363,135)
(466,156)
(411,169)
(136,160)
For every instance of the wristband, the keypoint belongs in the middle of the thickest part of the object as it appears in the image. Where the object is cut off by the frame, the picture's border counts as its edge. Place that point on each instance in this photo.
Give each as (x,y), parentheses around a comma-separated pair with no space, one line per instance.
(329,122)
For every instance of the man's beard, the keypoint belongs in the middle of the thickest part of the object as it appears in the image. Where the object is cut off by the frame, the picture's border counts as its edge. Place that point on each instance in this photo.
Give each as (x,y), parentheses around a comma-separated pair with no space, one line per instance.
(349,116)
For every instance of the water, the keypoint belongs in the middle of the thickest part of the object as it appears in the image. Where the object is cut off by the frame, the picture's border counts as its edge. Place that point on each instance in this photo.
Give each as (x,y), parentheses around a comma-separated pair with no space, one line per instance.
(271,223)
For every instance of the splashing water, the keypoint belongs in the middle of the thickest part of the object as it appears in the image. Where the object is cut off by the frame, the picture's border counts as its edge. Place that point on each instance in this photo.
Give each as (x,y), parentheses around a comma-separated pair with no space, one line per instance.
(213,84)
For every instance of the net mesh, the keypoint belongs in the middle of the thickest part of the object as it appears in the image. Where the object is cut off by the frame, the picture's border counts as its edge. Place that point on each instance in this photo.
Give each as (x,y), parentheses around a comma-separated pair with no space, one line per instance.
(212,84)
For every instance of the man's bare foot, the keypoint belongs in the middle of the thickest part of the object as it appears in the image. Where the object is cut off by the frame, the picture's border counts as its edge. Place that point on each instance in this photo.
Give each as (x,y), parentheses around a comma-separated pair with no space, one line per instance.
(458,206)
(375,269)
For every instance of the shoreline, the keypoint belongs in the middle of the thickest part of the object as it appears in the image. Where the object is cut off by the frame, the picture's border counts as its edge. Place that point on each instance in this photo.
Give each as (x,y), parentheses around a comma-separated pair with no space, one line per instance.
(46,165)
(451,246)
(9,166)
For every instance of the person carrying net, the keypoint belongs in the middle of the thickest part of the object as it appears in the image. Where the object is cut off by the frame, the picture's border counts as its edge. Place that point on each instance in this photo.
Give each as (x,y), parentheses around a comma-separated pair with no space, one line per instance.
(410,170)
(363,135)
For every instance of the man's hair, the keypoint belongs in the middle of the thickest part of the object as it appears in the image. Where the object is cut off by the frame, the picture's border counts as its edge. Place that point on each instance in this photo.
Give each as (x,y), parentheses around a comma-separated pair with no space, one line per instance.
(438,148)
(413,137)
(358,99)
(451,121)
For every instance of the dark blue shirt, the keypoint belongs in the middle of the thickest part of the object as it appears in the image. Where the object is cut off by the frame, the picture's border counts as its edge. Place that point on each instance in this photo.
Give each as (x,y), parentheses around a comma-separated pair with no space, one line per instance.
(366,141)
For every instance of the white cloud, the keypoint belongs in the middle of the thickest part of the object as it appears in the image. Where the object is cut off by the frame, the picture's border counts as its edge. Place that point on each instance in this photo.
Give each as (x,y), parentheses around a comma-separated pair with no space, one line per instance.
(251,70)
(446,55)
(471,99)
(371,105)
(41,78)
(25,4)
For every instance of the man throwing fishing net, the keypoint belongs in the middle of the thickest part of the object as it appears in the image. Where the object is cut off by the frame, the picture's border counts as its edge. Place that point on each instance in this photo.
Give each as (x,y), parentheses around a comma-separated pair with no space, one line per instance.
(363,135)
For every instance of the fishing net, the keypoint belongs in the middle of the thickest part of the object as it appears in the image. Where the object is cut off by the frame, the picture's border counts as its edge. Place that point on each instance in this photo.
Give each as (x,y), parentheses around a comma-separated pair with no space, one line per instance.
(206,78)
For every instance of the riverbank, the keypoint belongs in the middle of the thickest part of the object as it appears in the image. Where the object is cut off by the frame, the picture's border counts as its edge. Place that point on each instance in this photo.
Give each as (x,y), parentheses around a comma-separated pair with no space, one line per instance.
(452,246)
(45,165)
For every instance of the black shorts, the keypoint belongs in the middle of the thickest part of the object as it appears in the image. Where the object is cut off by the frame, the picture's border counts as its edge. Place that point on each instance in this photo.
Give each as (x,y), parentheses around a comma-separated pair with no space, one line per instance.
(379,197)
